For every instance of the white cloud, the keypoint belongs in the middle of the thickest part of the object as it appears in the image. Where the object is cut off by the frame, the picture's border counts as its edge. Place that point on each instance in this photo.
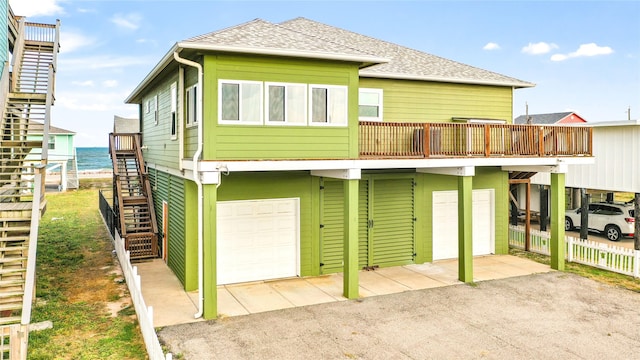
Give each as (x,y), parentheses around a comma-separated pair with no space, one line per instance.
(539,48)
(102,62)
(71,41)
(91,101)
(30,8)
(110,83)
(491,46)
(83,83)
(127,21)
(585,50)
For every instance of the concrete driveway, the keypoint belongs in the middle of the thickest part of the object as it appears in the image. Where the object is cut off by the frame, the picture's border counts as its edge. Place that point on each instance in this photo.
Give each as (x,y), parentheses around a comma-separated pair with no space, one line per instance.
(552,315)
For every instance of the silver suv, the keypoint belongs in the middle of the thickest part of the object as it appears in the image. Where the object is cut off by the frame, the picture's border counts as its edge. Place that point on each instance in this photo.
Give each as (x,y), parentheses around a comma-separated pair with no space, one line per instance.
(615,220)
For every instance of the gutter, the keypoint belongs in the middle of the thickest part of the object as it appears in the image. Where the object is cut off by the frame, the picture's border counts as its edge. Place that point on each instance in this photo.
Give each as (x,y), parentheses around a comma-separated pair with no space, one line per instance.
(196,179)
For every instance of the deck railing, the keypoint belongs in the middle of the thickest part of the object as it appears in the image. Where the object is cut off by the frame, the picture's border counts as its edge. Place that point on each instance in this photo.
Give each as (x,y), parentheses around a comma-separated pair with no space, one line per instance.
(428,140)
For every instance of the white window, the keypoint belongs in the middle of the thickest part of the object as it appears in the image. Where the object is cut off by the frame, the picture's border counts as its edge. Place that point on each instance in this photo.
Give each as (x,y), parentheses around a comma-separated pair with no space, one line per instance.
(370,105)
(286,104)
(147,106)
(328,105)
(191,105)
(156,116)
(240,102)
(174,109)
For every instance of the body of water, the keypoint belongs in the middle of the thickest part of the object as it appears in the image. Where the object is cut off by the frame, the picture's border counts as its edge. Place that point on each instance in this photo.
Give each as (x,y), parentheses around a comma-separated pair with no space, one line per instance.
(93,158)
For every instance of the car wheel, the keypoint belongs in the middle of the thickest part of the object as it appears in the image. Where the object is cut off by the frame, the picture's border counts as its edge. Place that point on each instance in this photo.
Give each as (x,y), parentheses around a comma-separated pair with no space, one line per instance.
(568,224)
(613,232)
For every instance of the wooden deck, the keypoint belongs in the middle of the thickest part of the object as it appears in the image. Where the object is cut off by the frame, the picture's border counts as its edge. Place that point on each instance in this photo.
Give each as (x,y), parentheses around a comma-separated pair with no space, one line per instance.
(437,140)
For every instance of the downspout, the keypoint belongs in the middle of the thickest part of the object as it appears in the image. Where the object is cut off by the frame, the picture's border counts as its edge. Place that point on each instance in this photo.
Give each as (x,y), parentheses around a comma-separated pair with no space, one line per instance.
(196,179)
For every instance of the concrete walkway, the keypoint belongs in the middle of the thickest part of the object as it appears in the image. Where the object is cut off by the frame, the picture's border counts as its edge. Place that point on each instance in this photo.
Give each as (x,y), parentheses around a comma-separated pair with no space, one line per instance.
(172,305)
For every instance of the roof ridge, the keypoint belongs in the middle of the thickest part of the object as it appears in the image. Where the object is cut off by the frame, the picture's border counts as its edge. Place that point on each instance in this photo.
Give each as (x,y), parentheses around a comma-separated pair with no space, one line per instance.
(201,36)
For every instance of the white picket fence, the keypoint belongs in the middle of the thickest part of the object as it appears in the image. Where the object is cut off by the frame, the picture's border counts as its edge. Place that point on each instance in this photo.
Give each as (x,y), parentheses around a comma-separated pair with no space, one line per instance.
(603,256)
(144,313)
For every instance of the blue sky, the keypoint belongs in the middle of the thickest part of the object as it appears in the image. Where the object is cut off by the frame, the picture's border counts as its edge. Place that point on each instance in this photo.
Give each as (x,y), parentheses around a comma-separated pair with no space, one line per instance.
(584,56)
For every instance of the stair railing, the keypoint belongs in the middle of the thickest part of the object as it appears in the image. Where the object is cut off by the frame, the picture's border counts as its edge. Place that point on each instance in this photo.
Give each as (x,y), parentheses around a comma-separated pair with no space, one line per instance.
(144,176)
(17,54)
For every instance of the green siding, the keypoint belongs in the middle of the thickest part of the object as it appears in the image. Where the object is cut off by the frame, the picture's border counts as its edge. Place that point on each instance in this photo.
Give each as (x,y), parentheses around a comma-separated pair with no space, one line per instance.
(250,186)
(172,190)
(232,142)
(418,101)
(161,150)
(177,252)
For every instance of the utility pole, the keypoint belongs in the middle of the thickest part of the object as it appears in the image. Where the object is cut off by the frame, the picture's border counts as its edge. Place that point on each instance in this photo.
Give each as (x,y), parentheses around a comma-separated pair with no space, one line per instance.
(629,113)
(526,116)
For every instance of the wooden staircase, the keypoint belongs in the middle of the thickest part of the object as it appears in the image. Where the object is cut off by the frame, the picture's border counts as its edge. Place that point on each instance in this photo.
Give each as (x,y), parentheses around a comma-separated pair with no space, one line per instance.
(29,98)
(132,199)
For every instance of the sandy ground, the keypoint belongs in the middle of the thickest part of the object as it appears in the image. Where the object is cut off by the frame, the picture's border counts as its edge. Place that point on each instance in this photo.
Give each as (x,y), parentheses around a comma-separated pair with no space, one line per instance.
(544,316)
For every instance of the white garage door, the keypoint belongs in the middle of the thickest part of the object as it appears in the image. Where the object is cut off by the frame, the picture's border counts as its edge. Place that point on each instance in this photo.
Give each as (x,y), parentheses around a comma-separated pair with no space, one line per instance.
(445,223)
(257,240)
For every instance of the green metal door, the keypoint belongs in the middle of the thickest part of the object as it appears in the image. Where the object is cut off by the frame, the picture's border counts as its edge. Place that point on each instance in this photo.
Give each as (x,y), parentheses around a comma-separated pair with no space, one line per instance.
(332,227)
(392,222)
(386,223)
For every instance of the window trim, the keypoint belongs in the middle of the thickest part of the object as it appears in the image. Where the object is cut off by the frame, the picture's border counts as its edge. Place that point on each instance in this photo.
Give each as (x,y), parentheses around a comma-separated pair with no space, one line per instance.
(380,116)
(328,88)
(191,100)
(286,86)
(156,115)
(173,119)
(240,121)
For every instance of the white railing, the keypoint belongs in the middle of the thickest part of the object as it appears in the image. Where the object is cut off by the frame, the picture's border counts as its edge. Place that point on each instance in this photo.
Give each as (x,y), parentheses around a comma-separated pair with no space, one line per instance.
(591,253)
(144,312)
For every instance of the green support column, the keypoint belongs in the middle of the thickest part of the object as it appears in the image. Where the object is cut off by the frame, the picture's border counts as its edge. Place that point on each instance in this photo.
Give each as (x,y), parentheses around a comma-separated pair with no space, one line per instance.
(465,229)
(210,286)
(351,283)
(557,221)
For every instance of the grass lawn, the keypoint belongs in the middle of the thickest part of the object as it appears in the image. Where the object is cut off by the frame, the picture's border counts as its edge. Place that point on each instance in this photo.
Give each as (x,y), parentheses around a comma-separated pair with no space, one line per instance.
(79,286)
(600,275)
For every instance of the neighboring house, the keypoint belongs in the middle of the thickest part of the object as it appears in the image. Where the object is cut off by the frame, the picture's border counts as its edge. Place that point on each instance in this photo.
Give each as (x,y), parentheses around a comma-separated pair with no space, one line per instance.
(563,118)
(301,149)
(63,161)
(616,148)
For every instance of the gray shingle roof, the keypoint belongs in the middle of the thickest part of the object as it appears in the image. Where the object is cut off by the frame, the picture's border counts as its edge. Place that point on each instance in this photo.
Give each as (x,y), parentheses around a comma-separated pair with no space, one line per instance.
(261,34)
(37,128)
(542,119)
(404,62)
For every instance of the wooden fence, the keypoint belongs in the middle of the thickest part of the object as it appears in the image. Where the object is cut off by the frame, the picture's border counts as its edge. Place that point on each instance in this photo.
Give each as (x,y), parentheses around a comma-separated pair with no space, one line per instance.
(591,253)
(143,312)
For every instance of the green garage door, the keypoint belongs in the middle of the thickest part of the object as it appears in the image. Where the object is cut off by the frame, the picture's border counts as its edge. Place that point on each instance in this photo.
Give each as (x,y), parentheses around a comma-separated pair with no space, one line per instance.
(386,223)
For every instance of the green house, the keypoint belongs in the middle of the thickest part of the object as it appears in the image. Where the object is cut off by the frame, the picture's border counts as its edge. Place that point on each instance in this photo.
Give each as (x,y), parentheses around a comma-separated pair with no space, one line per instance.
(301,149)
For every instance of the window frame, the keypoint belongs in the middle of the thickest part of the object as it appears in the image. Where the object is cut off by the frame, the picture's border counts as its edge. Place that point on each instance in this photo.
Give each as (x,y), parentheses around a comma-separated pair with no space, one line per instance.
(191,105)
(380,105)
(286,121)
(261,97)
(173,120)
(156,115)
(329,123)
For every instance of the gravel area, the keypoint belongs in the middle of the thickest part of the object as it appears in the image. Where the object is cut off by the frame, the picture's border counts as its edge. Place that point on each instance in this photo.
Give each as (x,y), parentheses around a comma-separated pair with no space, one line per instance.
(554,315)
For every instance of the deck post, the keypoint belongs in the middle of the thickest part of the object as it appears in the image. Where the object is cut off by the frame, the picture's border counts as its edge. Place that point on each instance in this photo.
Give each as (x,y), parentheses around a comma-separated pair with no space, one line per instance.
(351,282)
(210,266)
(557,221)
(465,229)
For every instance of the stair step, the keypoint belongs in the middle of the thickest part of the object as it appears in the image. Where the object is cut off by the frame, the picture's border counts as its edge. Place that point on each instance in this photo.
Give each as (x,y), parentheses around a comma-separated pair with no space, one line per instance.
(10,294)
(10,306)
(16,271)
(15,228)
(10,320)
(14,238)
(10,260)
(11,283)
